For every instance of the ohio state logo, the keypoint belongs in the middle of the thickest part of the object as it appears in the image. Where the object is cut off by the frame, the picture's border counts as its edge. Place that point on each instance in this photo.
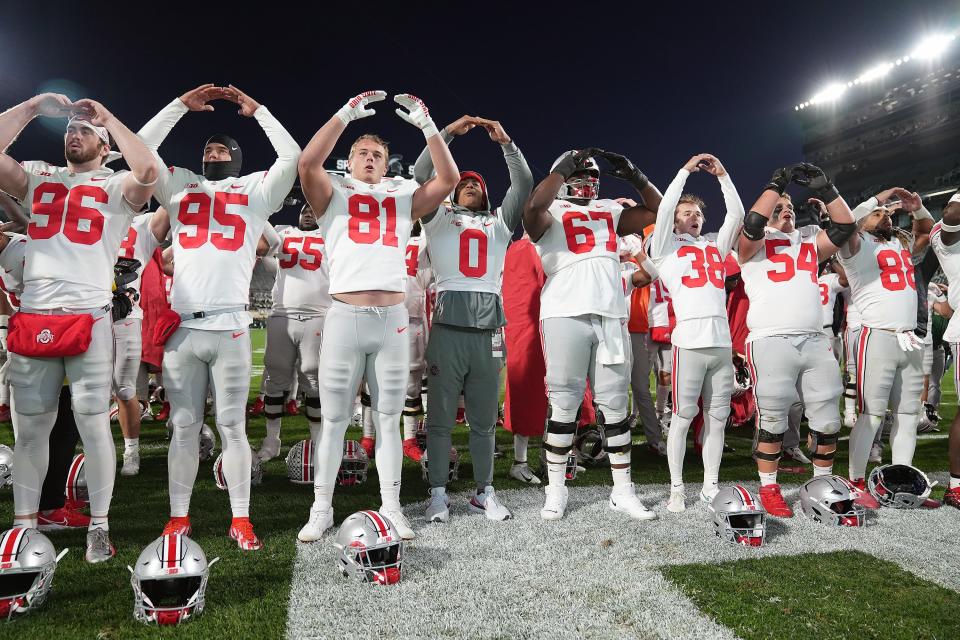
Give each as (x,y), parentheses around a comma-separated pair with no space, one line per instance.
(45,336)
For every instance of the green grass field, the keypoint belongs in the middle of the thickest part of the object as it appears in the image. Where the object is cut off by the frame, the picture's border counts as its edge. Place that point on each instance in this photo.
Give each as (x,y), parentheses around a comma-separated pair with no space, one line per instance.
(248,592)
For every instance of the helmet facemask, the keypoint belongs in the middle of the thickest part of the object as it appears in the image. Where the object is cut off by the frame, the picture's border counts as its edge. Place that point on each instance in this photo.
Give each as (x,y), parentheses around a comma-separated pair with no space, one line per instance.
(583,185)
(23,590)
(353,465)
(379,564)
(746,529)
(168,601)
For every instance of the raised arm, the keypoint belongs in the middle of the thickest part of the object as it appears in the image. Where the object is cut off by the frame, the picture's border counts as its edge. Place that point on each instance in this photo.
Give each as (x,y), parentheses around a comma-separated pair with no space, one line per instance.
(434,191)
(536,218)
(317,188)
(269,241)
(751,235)
(733,218)
(423,167)
(521,179)
(922,220)
(637,218)
(663,230)
(160,224)
(13,179)
(280,178)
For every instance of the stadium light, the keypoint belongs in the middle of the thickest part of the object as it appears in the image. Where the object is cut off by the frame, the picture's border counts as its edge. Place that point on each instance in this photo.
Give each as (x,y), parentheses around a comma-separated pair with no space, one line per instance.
(829,93)
(932,46)
(875,73)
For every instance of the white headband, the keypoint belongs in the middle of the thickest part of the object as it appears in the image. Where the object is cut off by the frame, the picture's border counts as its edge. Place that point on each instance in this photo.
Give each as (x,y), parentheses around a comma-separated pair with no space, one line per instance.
(100,131)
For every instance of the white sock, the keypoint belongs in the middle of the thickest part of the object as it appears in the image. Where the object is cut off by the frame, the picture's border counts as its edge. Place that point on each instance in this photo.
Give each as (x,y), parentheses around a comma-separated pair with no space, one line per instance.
(713,431)
(323,496)
(768,478)
(409,427)
(25,522)
(389,457)
(520,447)
(822,471)
(621,477)
(369,430)
(131,445)
(98,523)
(273,428)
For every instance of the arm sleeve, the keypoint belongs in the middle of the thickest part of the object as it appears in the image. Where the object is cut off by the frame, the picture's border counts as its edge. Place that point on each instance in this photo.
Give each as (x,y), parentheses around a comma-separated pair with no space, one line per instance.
(521,185)
(730,229)
(864,209)
(154,133)
(423,167)
(663,230)
(273,239)
(277,183)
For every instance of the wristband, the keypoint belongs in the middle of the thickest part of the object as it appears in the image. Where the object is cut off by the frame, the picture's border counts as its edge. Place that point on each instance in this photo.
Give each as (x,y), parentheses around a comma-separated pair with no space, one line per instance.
(650,268)
(150,184)
(342,114)
(430,130)
(922,214)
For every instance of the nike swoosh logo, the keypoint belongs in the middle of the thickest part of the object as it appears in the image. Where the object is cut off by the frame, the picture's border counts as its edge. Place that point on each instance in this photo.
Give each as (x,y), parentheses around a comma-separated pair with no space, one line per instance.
(236,186)
(401,330)
(61,523)
(233,148)
(97,179)
(237,335)
(393,190)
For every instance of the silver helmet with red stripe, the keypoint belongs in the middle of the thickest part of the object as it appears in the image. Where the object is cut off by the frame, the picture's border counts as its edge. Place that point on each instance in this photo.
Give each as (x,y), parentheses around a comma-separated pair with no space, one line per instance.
(300,462)
(738,517)
(354,464)
(453,473)
(899,486)
(170,580)
(6,465)
(370,549)
(27,563)
(256,471)
(830,500)
(76,489)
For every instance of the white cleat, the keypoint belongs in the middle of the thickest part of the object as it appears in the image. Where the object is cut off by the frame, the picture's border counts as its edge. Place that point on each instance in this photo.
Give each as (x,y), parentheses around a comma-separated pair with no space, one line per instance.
(876,452)
(399,521)
(677,503)
(706,497)
(625,500)
(269,449)
(489,504)
(794,453)
(521,471)
(849,418)
(320,520)
(131,464)
(438,509)
(556,502)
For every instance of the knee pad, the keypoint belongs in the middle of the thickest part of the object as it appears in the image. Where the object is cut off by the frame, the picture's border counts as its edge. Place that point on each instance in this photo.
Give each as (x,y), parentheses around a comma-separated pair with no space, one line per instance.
(30,401)
(617,437)
(721,414)
(233,415)
(125,392)
(559,437)
(688,412)
(273,407)
(90,401)
(565,401)
(765,436)
(413,406)
(820,439)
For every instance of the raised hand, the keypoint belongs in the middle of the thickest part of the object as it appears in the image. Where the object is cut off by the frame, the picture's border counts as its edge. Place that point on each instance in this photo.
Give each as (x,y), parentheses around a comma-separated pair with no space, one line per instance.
(53,105)
(462,125)
(356,106)
(809,175)
(713,166)
(197,99)
(694,164)
(495,130)
(621,167)
(575,161)
(414,111)
(910,201)
(96,113)
(779,180)
(248,105)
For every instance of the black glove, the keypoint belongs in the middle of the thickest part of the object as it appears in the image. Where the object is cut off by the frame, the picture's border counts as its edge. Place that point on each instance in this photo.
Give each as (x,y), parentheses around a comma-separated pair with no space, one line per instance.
(122,305)
(576,161)
(125,272)
(779,180)
(813,177)
(622,168)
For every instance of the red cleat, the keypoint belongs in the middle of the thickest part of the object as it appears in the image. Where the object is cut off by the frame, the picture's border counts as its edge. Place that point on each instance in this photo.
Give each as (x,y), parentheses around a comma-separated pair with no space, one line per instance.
(62,518)
(179,525)
(864,499)
(241,530)
(164,414)
(772,500)
(292,408)
(412,450)
(4,413)
(952,498)
(369,445)
(254,410)
(461,416)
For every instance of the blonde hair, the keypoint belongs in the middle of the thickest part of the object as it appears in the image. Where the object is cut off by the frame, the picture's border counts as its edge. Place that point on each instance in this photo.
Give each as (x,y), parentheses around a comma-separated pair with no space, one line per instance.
(372,137)
(689,198)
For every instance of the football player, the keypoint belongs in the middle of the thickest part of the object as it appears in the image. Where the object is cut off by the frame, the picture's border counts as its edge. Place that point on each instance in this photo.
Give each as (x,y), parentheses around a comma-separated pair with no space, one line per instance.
(787,351)
(467,242)
(216,219)
(300,301)
(945,238)
(879,267)
(366,221)
(691,266)
(78,217)
(583,313)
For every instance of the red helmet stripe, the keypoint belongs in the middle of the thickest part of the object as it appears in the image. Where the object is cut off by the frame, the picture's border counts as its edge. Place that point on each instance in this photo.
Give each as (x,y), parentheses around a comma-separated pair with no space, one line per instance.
(75,468)
(377,522)
(306,459)
(171,550)
(10,544)
(220,477)
(747,500)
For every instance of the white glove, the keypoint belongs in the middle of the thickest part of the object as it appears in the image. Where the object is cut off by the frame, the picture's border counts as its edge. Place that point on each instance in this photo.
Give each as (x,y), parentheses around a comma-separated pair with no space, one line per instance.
(630,245)
(909,341)
(356,106)
(416,113)
(936,293)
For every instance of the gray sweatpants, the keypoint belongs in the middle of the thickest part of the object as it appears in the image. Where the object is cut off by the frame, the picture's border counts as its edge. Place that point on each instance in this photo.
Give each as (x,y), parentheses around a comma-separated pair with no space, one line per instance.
(936,376)
(461,359)
(127,349)
(644,353)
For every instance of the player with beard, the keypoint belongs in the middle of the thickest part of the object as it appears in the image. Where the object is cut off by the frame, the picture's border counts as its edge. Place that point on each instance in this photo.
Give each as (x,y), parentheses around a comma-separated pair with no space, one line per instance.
(583,313)
(294,329)
(691,266)
(879,268)
(78,216)
(366,221)
(787,351)
(216,220)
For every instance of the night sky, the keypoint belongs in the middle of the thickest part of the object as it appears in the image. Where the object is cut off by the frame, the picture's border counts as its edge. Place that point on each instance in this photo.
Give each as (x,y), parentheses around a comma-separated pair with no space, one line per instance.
(657,84)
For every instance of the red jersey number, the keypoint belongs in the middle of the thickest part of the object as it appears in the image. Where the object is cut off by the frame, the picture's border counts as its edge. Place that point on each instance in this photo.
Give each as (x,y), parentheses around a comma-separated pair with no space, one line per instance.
(195,212)
(706,264)
(574,233)
(364,225)
(806,261)
(129,244)
(412,259)
(70,216)
(478,239)
(896,270)
(295,246)
(824,294)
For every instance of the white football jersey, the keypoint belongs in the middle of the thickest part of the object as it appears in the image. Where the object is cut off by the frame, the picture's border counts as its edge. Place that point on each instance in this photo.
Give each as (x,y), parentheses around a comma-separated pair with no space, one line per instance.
(77,221)
(852,316)
(467,252)
(580,256)
(882,283)
(781,282)
(829,284)
(659,309)
(419,276)
(215,226)
(949,256)
(302,285)
(627,269)
(139,244)
(366,228)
